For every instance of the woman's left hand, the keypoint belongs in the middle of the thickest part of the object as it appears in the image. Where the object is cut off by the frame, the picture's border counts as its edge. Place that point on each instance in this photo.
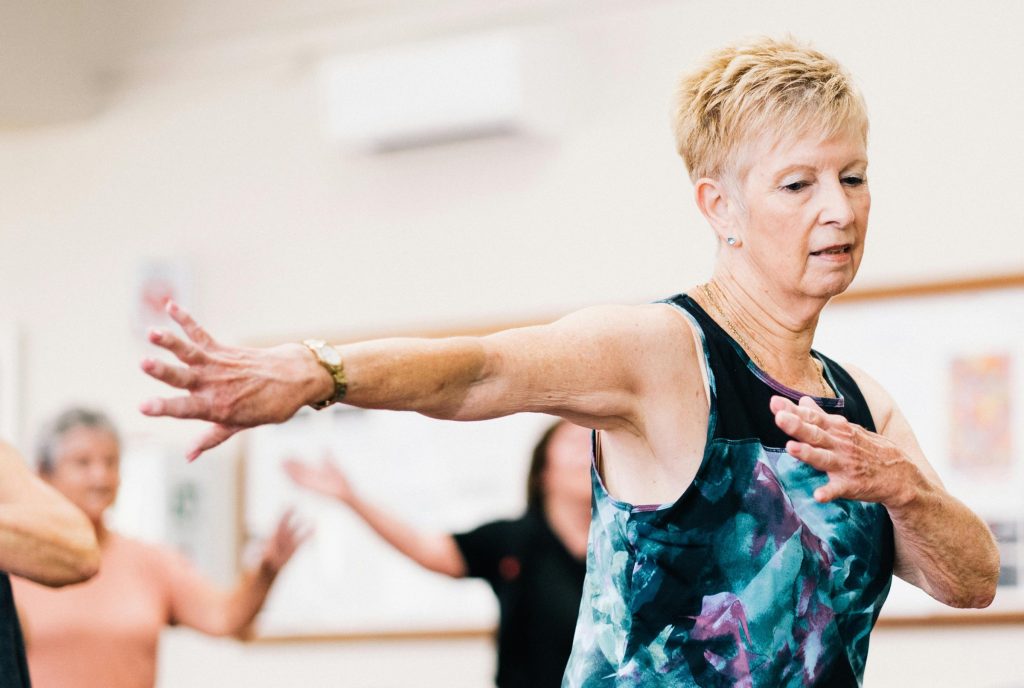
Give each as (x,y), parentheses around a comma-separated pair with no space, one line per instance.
(860,464)
(287,538)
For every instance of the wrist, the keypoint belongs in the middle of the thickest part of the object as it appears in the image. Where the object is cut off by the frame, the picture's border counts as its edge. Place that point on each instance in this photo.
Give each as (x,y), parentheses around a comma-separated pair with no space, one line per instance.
(913,490)
(350,499)
(317,383)
(329,359)
(267,570)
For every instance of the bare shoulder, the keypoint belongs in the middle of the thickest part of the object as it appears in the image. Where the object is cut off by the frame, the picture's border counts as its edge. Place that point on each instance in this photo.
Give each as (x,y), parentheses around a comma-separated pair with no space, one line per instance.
(652,324)
(880,403)
(640,319)
(654,337)
(617,330)
(601,366)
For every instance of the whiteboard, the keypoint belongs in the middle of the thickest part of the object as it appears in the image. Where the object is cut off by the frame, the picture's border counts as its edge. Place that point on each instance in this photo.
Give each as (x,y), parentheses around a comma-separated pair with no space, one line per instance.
(911,344)
(439,475)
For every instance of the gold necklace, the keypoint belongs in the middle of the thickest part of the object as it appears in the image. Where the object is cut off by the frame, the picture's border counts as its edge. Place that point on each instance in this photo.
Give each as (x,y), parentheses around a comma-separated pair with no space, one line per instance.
(715,301)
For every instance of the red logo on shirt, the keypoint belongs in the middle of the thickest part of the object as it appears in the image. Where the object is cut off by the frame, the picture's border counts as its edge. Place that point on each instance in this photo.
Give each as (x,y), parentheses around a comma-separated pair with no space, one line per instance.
(510,568)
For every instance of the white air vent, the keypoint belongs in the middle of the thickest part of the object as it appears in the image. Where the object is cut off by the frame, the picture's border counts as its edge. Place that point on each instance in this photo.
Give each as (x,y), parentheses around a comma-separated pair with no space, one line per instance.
(426,94)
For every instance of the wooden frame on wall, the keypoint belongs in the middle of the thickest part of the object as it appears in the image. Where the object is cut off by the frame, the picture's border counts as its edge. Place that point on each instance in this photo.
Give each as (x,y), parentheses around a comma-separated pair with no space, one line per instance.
(871,312)
(952,356)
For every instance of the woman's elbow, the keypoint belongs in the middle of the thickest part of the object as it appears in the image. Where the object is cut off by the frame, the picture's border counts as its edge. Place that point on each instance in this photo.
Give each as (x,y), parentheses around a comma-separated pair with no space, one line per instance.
(78,560)
(87,563)
(77,570)
(84,549)
(979,592)
(973,599)
(985,592)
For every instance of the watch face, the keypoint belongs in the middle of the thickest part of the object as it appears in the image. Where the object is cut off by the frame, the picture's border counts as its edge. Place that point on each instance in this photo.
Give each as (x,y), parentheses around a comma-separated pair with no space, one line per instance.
(330,355)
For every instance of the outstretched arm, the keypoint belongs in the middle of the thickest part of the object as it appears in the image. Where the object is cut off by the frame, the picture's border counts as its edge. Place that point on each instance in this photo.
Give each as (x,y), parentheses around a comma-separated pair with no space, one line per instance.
(582,367)
(942,547)
(43,537)
(198,604)
(434,551)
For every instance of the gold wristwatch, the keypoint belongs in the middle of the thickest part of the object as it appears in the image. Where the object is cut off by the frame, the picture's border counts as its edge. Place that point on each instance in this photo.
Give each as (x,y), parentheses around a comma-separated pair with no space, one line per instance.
(330,359)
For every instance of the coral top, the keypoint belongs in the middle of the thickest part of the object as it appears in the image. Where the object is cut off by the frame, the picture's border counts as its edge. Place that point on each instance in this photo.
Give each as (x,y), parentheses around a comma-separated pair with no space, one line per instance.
(103,633)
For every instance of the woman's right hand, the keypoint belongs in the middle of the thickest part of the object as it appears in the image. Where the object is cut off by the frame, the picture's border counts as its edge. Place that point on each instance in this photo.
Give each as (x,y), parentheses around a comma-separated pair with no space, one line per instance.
(232,387)
(326,478)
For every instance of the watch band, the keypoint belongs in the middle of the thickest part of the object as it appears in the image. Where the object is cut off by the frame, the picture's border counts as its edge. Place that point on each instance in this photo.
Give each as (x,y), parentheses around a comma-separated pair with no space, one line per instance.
(328,357)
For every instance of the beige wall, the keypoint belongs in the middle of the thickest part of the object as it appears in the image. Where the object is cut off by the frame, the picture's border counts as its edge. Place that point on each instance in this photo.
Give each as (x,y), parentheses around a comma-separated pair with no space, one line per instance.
(213,154)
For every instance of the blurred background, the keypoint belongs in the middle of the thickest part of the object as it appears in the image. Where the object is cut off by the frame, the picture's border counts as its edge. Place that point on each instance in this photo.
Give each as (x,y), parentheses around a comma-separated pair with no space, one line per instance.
(354,167)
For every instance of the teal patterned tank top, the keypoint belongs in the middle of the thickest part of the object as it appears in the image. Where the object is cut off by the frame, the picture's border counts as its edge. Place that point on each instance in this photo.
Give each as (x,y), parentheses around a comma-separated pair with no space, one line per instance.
(744,580)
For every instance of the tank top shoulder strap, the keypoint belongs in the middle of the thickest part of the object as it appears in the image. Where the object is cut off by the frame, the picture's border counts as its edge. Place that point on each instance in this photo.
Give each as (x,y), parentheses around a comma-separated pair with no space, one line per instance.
(855,405)
(680,303)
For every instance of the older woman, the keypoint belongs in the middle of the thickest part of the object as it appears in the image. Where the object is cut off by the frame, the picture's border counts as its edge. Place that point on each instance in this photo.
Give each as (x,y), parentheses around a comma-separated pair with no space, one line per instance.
(752,497)
(104,633)
(534,564)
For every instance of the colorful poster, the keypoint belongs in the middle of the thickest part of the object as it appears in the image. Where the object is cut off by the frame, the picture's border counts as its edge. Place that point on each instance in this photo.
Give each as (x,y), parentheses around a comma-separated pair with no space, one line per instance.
(981,431)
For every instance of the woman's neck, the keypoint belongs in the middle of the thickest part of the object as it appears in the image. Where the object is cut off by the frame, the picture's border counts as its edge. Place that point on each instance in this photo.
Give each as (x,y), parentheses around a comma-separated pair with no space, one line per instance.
(776,332)
(570,522)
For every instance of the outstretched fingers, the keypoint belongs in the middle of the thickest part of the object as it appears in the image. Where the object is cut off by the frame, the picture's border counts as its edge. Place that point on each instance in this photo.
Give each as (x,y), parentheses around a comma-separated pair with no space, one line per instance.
(215,436)
(176,407)
(175,376)
(185,351)
(194,331)
(299,472)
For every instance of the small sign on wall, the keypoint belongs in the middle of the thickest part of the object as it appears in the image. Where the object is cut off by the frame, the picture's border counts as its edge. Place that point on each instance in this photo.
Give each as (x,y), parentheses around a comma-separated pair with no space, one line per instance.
(158,281)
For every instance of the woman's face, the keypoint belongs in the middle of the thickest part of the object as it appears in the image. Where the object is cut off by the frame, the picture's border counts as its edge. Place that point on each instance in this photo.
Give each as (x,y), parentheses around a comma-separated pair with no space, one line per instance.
(804,214)
(567,472)
(86,469)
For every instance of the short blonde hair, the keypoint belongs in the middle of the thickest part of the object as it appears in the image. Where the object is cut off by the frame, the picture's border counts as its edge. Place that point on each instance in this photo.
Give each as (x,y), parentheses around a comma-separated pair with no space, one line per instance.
(765,86)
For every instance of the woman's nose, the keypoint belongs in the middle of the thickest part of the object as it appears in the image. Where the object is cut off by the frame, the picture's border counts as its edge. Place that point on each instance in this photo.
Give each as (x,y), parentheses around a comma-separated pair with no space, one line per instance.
(101,473)
(836,207)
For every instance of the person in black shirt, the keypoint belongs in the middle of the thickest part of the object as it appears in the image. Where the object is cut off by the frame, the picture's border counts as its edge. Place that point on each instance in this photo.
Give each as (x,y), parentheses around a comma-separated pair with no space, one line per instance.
(535,564)
(43,538)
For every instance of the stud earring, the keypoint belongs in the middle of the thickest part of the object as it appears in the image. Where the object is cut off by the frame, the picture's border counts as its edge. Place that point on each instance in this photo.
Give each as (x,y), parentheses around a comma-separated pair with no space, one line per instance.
(732,241)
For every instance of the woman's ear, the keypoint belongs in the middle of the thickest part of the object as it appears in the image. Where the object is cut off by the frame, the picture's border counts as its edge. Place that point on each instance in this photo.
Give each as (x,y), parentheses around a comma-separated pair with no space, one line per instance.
(713,201)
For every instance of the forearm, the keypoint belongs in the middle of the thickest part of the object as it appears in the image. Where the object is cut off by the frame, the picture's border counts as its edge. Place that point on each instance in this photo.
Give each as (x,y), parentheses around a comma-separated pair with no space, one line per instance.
(434,551)
(943,547)
(43,537)
(245,600)
(50,543)
(436,377)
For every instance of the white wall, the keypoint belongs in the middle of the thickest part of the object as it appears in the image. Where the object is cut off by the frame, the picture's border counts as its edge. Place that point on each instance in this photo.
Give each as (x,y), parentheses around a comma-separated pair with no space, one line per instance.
(214,155)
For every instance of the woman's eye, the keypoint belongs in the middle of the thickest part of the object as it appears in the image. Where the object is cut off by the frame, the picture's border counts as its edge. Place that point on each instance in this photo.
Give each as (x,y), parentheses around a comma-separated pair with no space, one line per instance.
(853,180)
(795,186)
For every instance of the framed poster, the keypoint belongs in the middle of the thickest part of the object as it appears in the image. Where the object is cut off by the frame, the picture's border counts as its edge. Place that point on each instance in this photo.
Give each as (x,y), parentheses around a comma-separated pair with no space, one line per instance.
(952,356)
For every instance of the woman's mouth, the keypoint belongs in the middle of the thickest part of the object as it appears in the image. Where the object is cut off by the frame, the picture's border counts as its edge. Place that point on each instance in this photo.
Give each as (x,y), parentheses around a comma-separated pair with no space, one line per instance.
(832,250)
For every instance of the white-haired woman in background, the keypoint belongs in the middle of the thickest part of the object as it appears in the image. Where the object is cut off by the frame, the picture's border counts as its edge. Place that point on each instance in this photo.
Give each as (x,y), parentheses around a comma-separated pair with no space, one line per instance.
(104,633)
(752,497)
